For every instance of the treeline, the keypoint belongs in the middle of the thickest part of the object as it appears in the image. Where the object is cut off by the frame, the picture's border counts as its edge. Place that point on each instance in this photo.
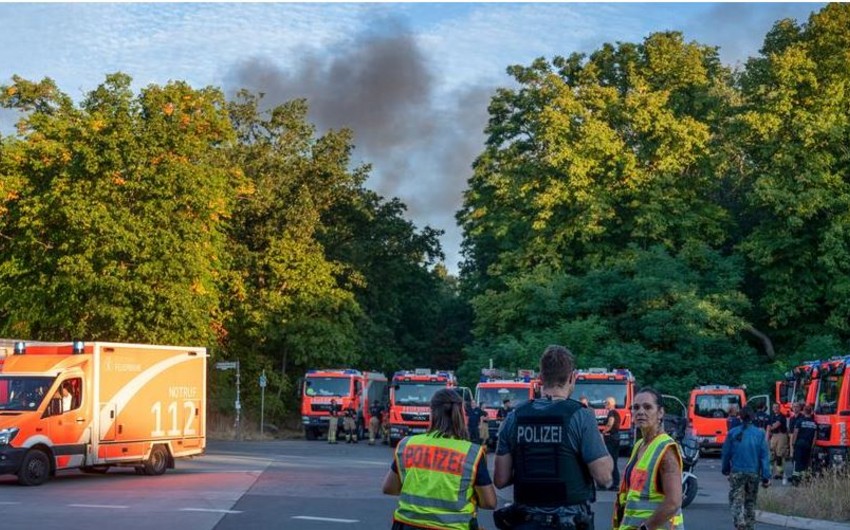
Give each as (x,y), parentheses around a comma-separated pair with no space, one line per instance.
(175,216)
(654,209)
(644,205)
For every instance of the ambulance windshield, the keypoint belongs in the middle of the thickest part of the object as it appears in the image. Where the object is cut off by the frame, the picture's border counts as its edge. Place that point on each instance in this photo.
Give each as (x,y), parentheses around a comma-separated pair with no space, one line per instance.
(23,393)
(416,393)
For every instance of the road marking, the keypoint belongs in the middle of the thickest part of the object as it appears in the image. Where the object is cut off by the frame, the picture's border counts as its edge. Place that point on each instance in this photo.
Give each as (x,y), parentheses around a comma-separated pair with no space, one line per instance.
(207,510)
(9,502)
(113,506)
(328,519)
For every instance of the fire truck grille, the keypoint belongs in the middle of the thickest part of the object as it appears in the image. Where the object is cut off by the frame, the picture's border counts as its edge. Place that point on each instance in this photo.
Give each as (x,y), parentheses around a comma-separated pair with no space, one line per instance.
(415,416)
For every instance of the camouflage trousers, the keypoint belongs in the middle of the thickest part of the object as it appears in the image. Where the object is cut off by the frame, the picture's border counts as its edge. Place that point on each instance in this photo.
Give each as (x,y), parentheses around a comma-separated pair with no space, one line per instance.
(743,492)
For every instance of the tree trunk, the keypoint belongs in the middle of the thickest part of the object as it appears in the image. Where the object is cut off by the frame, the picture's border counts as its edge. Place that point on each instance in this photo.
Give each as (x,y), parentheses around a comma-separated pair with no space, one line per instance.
(765,340)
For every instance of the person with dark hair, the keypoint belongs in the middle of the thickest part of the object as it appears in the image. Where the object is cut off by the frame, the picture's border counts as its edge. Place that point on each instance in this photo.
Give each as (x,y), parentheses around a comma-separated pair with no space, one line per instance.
(333,420)
(505,409)
(803,436)
(745,460)
(650,493)
(778,441)
(732,419)
(551,451)
(473,419)
(440,476)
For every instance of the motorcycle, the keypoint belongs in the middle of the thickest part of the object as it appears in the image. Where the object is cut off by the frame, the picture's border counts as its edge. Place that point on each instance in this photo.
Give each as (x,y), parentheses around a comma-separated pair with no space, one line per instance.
(690,457)
(676,425)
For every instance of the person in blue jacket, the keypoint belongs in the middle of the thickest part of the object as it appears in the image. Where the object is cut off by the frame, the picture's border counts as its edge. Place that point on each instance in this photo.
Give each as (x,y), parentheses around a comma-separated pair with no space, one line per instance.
(746,461)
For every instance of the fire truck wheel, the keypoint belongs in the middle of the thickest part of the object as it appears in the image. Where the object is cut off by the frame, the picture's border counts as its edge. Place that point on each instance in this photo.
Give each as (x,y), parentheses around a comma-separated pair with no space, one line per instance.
(310,433)
(158,461)
(35,469)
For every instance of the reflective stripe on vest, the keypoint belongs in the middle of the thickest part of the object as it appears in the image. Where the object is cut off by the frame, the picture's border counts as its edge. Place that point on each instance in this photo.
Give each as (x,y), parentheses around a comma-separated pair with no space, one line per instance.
(437,476)
(643,498)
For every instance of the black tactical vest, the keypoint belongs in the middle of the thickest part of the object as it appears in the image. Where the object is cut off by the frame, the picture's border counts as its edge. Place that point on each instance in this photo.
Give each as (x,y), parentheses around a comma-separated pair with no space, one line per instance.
(547,471)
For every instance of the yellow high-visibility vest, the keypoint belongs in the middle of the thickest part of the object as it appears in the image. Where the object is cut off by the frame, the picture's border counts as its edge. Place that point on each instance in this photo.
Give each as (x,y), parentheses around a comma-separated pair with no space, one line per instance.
(642,498)
(437,481)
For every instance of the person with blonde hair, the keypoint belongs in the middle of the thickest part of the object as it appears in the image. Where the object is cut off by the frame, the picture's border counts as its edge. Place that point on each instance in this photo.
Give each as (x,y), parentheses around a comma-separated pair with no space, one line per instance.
(441,477)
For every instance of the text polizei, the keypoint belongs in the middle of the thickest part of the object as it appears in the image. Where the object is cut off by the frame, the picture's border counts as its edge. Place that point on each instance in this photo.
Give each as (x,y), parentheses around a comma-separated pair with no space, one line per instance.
(540,434)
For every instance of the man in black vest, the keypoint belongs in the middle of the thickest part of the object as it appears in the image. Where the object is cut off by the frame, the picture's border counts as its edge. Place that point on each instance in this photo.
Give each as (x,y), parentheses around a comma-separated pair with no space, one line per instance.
(551,450)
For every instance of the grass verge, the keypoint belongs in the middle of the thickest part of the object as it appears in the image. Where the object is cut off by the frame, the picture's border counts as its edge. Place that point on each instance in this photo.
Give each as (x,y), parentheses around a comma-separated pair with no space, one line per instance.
(822,497)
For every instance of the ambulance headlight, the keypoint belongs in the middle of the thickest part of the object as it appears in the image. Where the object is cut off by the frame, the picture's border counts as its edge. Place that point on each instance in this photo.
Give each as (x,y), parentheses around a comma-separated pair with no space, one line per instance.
(7,435)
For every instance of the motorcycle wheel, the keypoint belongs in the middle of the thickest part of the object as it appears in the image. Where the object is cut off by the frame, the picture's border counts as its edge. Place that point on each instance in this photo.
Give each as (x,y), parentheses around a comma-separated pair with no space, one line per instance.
(689,491)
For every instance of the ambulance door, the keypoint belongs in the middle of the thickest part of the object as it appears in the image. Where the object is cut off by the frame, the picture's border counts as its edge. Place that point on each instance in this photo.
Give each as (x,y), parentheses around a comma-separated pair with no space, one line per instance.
(68,424)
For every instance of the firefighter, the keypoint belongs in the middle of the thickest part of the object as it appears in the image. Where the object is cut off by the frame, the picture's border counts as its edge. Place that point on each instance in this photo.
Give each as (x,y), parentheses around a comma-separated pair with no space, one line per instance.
(803,436)
(349,424)
(551,451)
(375,409)
(333,412)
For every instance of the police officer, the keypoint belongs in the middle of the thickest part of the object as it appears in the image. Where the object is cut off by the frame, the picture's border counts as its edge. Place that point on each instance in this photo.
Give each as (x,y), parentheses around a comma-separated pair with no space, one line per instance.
(551,450)
(803,436)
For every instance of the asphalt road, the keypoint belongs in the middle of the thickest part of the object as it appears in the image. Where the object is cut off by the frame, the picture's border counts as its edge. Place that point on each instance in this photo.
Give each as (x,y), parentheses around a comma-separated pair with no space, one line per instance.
(266,485)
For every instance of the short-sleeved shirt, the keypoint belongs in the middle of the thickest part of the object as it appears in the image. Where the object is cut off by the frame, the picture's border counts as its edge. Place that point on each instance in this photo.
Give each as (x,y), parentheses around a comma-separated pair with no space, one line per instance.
(806,429)
(582,433)
(482,474)
(783,423)
(615,429)
(474,417)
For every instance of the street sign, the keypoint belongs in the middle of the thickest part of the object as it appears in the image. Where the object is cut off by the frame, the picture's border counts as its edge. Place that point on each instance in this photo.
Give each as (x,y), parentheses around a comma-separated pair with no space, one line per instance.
(229,365)
(263,380)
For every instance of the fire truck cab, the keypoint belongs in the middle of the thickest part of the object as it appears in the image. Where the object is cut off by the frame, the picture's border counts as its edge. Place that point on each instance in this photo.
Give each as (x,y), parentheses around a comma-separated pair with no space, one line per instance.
(349,387)
(708,410)
(495,386)
(825,386)
(410,400)
(598,384)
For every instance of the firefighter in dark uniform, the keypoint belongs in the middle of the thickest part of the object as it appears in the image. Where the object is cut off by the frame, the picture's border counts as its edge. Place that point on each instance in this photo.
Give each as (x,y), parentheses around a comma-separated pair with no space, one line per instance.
(551,450)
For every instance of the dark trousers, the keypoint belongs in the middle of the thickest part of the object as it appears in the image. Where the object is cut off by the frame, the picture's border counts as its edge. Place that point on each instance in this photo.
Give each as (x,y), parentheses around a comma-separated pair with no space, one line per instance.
(473,434)
(613,445)
(802,457)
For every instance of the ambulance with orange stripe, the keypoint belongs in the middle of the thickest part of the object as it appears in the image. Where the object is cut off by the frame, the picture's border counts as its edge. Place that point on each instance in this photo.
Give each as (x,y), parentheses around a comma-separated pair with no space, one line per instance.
(96,405)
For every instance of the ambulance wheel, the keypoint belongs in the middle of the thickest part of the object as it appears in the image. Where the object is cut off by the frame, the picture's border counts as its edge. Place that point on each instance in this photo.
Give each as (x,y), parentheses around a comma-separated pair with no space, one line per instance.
(35,468)
(158,461)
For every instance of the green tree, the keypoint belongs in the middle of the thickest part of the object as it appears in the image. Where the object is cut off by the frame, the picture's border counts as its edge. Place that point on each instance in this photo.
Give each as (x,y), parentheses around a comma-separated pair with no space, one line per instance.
(113,213)
(794,130)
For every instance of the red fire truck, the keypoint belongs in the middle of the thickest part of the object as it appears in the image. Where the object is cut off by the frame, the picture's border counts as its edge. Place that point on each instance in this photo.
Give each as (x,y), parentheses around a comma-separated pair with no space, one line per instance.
(410,400)
(708,410)
(349,387)
(496,386)
(825,386)
(598,384)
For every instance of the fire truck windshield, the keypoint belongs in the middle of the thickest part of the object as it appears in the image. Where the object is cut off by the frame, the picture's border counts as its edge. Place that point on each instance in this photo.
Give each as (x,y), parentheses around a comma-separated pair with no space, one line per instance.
(715,405)
(597,391)
(327,386)
(416,393)
(828,395)
(23,393)
(493,397)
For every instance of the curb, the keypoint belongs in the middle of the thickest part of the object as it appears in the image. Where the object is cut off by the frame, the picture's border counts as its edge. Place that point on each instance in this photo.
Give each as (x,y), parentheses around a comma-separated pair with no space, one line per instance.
(790,521)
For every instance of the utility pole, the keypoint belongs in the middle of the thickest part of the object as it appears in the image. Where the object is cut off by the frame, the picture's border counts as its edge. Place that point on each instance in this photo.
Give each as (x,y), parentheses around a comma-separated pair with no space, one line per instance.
(263,382)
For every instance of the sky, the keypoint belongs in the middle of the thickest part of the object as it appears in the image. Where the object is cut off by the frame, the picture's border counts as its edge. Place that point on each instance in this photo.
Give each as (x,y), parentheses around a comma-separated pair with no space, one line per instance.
(412,80)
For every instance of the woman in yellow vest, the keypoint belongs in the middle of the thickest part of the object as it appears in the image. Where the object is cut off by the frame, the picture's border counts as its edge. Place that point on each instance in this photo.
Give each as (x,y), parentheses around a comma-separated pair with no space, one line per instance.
(440,476)
(650,493)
